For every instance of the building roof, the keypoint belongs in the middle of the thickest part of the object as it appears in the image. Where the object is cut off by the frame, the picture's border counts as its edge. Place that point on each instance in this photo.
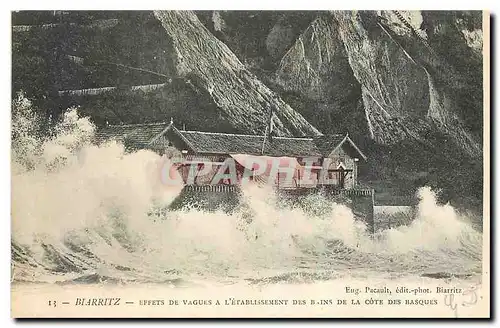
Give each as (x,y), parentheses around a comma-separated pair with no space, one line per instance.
(329,143)
(136,135)
(210,142)
(144,136)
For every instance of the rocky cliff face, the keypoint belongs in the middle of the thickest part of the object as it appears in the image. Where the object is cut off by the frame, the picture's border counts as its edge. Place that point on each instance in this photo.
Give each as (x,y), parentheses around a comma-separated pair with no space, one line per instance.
(417,95)
(409,85)
(315,71)
(210,65)
(387,74)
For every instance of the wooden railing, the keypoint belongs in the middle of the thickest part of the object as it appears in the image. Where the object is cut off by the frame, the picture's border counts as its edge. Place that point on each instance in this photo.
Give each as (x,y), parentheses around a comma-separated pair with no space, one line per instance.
(328,189)
(212,188)
(351,192)
(236,188)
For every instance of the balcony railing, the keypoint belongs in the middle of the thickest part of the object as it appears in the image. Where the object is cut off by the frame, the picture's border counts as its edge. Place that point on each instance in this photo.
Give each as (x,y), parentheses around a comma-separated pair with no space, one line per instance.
(324,188)
(212,188)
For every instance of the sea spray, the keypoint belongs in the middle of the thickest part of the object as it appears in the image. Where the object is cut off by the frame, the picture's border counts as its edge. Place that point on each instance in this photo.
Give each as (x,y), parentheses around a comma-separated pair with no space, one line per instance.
(82,212)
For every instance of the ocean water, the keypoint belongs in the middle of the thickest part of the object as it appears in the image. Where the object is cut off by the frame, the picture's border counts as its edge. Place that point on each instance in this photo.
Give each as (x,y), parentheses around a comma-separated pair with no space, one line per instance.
(83,214)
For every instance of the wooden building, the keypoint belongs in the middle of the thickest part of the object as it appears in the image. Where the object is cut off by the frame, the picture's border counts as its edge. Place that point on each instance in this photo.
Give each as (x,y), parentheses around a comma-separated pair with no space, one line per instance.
(328,159)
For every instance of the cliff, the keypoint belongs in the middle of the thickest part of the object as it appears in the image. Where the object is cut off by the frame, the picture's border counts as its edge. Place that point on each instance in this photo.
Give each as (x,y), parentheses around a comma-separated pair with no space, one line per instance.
(210,65)
(410,83)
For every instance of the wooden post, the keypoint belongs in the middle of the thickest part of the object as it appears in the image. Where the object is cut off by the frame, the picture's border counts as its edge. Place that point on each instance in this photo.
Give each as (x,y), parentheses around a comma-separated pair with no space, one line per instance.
(355,172)
(372,208)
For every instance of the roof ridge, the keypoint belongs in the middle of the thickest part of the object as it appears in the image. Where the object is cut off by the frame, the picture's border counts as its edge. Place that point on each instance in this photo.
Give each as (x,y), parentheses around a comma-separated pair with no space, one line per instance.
(223,134)
(137,124)
(293,138)
(245,135)
(165,129)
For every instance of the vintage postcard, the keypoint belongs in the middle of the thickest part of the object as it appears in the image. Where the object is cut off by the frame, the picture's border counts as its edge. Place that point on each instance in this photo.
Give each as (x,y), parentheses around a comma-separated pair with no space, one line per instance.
(250,164)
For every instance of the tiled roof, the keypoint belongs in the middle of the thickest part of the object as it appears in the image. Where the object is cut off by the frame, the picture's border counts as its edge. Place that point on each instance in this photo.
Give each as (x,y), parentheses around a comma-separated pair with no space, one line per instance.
(135,135)
(208,142)
(327,143)
(142,136)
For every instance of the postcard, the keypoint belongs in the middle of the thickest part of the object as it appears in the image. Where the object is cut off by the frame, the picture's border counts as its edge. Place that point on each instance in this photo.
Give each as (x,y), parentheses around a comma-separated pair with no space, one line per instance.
(250,164)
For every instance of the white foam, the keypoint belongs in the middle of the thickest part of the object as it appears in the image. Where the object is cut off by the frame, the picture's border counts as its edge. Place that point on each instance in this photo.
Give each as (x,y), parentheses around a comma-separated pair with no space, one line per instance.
(99,198)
